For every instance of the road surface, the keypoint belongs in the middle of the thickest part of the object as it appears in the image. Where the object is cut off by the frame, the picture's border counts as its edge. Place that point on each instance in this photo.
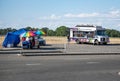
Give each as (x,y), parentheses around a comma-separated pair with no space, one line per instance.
(60,68)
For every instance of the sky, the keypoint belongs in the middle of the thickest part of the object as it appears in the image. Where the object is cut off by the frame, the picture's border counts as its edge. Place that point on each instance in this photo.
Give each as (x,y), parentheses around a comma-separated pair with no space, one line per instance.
(54,13)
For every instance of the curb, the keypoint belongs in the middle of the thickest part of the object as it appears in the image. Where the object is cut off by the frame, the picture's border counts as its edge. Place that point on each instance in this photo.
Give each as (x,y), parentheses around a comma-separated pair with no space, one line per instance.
(29,52)
(51,53)
(68,54)
(10,49)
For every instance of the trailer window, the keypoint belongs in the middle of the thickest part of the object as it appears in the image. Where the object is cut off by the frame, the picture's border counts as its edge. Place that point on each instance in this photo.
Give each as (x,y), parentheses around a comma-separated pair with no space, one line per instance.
(78,34)
(83,34)
(89,34)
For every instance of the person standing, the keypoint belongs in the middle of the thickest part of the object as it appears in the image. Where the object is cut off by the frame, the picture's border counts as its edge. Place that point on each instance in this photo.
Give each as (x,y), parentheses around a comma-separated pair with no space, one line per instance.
(68,38)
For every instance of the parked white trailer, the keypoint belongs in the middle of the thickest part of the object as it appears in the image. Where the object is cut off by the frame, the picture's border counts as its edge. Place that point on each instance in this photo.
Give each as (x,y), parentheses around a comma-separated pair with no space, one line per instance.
(89,34)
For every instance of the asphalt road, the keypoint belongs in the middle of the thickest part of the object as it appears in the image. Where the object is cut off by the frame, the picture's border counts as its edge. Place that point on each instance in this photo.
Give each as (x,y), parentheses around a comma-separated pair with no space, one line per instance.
(60,68)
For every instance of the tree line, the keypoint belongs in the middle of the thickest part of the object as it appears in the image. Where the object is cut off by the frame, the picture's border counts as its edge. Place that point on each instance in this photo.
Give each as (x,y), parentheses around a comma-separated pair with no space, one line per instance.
(59,31)
(113,33)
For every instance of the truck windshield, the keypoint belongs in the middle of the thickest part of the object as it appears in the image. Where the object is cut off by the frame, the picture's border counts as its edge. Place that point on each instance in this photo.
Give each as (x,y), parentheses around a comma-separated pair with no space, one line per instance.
(101,32)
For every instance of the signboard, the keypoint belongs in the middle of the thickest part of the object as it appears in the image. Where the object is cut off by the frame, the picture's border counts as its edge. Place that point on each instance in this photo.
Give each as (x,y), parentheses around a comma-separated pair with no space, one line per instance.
(86,29)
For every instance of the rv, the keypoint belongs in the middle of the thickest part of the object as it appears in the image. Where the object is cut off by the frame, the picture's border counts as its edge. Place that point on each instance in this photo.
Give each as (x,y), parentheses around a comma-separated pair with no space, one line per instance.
(89,34)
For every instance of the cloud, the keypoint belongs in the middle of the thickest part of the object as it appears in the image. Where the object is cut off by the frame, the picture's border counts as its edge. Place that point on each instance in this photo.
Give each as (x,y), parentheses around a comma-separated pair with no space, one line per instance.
(115,13)
(81,15)
(118,25)
(108,19)
(110,14)
(51,17)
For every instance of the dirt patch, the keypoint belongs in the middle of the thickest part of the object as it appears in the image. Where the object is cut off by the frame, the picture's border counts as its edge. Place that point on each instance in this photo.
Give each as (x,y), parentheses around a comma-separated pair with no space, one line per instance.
(1,40)
(55,40)
(114,40)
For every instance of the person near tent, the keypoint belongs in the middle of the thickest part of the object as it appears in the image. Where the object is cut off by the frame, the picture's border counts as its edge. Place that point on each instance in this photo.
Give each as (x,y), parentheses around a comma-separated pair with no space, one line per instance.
(33,41)
(68,38)
(23,38)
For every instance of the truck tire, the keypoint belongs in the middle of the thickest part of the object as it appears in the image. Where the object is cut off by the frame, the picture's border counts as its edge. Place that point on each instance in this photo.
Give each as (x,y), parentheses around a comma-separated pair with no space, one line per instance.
(31,46)
(105,43)
(38,46)
(96,42)
(78,42)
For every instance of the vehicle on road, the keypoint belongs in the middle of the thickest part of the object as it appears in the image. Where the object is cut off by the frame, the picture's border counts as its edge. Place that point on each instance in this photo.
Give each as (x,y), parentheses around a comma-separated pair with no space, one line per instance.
(30,42)
(42,41)
(89,34)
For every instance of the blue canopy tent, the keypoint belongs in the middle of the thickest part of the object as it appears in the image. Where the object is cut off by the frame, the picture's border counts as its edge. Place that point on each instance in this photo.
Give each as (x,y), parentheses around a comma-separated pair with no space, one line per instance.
(20,31)
(13,38)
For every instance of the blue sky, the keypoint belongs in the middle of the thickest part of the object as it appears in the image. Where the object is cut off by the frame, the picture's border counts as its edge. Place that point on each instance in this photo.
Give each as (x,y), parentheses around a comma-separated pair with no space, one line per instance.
(54,13)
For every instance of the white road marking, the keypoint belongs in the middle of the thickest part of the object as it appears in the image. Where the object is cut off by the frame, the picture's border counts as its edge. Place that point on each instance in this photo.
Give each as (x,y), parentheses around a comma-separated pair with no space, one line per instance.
(19,54)
(33,64)
(76,58)
(118,73)
(93,62)
(84,58)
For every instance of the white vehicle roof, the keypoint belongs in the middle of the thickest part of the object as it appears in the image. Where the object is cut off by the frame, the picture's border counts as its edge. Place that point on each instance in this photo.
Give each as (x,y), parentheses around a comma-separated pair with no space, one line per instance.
(87,28)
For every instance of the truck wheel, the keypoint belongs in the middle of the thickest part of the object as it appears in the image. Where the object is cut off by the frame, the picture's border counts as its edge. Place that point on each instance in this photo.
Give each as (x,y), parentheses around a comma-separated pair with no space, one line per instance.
(78,42)
(31,47)
(38,46)
(96,42)
(105,43)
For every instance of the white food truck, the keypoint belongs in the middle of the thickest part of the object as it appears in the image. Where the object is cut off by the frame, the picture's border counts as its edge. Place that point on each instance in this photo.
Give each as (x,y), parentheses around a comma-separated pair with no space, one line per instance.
(89,34)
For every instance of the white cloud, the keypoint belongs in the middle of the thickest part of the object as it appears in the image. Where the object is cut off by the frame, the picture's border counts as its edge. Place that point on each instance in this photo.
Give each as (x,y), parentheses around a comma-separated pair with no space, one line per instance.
(81,15)
(115,13)
(106,19)
(118,25)
(111,14)
(51,17)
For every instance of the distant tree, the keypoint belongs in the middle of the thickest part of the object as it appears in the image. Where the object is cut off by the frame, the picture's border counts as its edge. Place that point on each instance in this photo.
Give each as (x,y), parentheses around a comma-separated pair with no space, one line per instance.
(51,33)
(6,30)
(45,29)
(61,31)
(113,33)
(31,28)
(28,28)
(2,32)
